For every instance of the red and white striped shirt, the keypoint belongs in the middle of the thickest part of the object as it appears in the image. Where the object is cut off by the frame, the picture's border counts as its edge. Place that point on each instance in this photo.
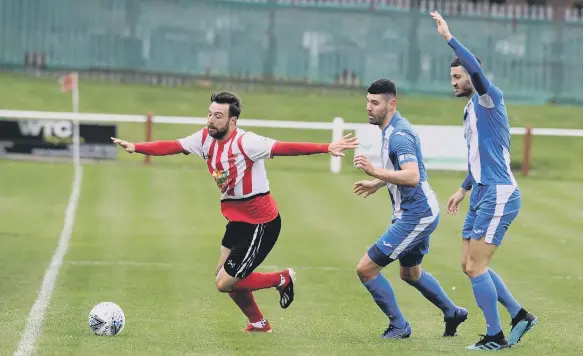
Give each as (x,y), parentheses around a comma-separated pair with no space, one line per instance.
(237,165)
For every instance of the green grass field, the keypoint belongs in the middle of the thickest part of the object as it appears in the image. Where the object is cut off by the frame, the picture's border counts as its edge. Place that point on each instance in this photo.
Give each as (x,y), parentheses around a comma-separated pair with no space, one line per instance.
(147,238)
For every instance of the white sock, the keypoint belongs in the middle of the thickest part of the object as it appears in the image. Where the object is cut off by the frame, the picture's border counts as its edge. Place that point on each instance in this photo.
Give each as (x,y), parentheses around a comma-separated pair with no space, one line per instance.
(260,324)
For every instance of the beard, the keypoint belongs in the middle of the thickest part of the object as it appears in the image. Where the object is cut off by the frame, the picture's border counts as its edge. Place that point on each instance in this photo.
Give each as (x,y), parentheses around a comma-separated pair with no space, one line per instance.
(377,120)
(217,134)
(463,92)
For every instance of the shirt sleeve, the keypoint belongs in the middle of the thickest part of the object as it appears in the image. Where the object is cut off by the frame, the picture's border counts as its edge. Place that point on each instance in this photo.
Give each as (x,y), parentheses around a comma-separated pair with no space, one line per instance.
(193,144)
(403,146)
(492,98)
(471,65)
(257,147)
(467,183)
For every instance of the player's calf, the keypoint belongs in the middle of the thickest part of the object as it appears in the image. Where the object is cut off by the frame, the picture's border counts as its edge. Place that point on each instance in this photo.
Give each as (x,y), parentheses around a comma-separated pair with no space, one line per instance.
(246,302)
(412,273)
(380,289)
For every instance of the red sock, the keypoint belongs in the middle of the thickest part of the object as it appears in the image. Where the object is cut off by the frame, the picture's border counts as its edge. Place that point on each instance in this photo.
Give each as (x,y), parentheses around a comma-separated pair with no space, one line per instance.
(246,302)
(257,281)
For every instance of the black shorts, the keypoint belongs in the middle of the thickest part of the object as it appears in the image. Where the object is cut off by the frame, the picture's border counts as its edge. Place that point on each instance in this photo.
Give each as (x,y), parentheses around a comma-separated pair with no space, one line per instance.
(249,244)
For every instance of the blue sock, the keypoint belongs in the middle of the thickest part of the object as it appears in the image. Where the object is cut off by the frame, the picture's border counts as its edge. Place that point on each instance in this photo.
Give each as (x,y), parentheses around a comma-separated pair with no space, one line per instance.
(383,295)
(485,294)
(431,289)
(504,295)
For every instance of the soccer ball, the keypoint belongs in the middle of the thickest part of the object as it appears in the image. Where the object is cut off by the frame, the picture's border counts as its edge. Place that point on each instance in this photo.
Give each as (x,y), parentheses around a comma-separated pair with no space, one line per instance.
(107,319)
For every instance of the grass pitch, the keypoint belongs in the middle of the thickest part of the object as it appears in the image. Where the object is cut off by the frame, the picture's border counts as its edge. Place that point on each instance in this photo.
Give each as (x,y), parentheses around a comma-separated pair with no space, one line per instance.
(148,239)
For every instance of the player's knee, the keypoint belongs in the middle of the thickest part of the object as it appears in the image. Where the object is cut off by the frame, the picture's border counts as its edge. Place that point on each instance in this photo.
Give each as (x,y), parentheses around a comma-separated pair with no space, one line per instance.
(405,276)
(364,273)
(223,286)
(463,265)
(469,269)
(473,269)
(410,274)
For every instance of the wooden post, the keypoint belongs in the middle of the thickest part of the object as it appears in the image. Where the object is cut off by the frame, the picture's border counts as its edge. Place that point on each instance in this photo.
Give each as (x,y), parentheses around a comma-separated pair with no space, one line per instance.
(147,159)
(526,151)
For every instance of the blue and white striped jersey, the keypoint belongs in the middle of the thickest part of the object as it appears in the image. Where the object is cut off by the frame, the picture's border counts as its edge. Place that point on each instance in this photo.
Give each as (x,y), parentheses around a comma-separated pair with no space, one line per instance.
(488,138)
(400,145)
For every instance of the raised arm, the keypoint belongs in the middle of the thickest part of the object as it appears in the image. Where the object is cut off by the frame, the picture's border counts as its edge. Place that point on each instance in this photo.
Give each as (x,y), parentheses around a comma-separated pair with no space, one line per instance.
(467,59)
(471,65)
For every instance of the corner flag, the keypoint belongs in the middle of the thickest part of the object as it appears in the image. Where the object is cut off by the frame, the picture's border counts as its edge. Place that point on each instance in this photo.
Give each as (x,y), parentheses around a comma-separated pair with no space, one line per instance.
(68,82)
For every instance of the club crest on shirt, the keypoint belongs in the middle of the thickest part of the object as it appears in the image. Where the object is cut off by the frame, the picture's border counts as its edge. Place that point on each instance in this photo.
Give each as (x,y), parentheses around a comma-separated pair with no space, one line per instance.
(221,179)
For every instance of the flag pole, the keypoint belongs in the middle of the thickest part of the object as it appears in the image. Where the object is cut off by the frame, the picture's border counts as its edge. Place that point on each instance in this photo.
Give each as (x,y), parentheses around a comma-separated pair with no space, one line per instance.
(70,83)
(75,99)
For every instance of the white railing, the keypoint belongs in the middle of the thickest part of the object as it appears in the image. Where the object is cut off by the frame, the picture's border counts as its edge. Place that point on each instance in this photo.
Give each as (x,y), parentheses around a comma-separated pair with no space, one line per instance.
(337,127)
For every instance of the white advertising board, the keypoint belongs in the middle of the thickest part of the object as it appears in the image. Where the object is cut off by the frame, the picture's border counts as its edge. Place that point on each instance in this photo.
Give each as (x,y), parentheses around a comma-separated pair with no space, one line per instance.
(443,147)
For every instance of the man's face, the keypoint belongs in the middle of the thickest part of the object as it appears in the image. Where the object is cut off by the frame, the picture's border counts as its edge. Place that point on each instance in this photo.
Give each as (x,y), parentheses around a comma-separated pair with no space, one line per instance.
(378,105)
(461,82)
(218,120)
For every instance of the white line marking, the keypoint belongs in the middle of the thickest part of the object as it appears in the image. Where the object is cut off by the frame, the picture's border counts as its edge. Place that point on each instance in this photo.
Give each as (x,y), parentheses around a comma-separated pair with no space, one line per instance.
(175,265)
(34,323)
(119,263)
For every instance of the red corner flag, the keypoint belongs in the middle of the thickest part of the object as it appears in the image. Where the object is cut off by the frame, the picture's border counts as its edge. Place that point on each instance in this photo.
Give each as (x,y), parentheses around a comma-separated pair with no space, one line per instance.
(68,82)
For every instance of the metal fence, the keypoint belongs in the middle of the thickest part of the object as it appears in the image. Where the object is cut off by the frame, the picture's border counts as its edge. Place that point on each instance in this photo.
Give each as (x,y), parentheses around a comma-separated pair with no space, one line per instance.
(531,58)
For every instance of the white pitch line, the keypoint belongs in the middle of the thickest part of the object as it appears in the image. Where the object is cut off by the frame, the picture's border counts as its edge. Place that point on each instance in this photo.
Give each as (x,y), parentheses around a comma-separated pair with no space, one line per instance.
(173,265)
(120,263)
(34,323)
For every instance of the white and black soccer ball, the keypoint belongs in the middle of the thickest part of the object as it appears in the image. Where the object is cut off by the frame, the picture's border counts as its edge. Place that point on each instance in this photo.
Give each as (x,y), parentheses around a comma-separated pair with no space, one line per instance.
(107,319)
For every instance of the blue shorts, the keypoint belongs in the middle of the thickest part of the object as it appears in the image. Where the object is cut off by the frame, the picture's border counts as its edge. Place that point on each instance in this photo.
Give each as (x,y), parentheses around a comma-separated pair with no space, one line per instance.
(492,209)
(405,240)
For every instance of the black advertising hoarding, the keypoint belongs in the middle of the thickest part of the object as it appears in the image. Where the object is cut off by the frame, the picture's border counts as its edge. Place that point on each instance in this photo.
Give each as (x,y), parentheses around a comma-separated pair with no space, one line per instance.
(54,138)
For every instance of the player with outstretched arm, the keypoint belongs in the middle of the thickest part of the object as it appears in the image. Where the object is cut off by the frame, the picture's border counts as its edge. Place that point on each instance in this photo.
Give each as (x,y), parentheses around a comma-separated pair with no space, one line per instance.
(235,159)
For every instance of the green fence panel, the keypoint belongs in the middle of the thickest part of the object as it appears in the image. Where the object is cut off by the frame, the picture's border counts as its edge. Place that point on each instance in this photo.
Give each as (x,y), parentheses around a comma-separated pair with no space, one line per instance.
(531,60)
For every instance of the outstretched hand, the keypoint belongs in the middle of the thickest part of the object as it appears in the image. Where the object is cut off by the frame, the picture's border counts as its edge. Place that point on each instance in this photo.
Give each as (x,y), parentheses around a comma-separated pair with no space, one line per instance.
(128,146)
(346,142)
(442,25)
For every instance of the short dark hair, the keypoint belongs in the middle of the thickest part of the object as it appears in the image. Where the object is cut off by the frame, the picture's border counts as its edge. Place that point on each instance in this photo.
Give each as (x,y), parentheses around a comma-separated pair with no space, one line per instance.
(456,62)
(382,86)
(225,97)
